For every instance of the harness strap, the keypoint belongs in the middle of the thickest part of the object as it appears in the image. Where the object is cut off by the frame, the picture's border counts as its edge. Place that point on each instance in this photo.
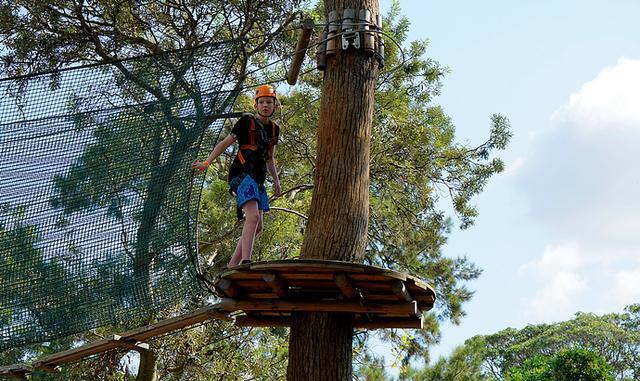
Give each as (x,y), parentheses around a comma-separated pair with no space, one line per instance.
(252,131)
(252,139)
(273,135)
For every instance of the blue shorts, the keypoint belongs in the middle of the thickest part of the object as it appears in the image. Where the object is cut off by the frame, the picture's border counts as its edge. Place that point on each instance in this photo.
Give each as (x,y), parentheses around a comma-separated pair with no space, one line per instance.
(250,190)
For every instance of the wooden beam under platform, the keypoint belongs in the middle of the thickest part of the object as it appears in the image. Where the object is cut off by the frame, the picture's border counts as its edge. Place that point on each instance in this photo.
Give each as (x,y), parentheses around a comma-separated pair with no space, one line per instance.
(268,292)
(391,308)
(285,321)
(276,284)
(345,286)
(400,290)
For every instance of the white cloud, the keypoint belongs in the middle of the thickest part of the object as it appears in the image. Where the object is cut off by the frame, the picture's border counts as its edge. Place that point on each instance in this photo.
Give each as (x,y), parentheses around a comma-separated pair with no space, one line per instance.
(512,168)
(562,257)
(571,277)
(561,284)
(610,101)
(582,181)
(626,287)
(582,177)
(557,300)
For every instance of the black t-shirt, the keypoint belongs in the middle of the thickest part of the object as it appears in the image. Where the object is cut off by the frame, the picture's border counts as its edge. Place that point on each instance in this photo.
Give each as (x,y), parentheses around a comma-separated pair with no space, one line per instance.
(255,159)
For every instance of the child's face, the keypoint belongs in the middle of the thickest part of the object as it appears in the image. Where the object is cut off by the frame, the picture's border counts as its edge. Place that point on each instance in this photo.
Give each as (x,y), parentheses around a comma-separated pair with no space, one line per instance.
(265,106)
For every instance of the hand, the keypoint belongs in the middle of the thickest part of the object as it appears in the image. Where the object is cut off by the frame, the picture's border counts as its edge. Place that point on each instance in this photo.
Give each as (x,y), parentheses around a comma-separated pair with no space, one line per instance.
(199,167)
(277,190)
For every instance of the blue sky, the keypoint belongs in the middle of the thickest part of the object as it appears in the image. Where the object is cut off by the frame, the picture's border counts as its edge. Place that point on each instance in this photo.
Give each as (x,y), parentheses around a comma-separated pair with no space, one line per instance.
(558,230)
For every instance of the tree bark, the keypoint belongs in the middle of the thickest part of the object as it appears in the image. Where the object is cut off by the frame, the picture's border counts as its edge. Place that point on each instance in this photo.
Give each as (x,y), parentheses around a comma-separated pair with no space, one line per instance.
(320,346)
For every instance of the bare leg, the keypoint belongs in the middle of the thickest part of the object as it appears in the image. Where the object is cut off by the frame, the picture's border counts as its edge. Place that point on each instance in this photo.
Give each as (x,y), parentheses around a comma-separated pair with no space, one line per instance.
(252,219)
(237,254)
(260,221)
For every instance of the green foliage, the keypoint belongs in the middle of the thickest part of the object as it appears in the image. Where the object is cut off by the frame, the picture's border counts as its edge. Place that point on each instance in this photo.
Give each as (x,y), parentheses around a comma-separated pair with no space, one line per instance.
(605,346)
(46,35)
(566,365)
(370,368)
(464,364)
(580,364)
(614,336)
(537,368)
(219,351)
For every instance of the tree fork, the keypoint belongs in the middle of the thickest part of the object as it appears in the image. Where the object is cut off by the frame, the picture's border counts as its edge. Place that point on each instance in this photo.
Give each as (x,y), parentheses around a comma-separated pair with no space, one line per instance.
(320,346)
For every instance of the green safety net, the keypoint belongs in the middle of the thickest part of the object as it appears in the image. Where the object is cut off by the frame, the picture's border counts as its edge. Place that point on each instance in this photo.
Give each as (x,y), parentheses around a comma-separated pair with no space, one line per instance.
(97,198)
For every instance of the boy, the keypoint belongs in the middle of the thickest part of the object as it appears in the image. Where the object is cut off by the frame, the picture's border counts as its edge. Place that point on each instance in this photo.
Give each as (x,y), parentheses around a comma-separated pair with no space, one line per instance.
(257,136)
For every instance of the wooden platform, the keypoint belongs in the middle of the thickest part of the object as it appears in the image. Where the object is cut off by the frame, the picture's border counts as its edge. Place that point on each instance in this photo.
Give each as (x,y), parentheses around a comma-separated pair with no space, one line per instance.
(267,293)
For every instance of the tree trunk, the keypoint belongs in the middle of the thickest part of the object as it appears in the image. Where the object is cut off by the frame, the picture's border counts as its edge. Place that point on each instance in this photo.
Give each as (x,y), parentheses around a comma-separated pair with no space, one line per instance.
(320,346)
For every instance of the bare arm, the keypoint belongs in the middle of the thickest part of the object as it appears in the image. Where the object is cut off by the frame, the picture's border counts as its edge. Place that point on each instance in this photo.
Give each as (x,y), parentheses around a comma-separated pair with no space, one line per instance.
(217,151)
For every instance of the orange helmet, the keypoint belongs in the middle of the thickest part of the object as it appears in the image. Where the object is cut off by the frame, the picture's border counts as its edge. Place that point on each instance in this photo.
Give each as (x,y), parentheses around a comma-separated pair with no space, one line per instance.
(265,91)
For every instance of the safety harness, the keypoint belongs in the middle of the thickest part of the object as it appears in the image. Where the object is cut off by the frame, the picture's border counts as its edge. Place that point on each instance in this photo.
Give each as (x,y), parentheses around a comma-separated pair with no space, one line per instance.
(253,141)
(234,182)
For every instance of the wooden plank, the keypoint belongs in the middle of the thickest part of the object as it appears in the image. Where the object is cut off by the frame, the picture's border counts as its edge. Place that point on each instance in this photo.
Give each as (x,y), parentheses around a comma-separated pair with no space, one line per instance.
(134,345)
(390,323)
(288,276)
(48,368)
(275,283)
(425,302)
(307,269)
(384,283)
(270,321)
(419,283)
(425,299)
(376,277)
(401,291)
(285,321)
(267,294)
(375,297)
(408,308)
(75,354)
(310,294)
(313,284)
(315,274)
(228,288)
(250,284)
(413,289)
(284,275)
(15,370)
(130,339)
(309,266)
(237,275)
(345,286)
(198,316)
(320,266)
